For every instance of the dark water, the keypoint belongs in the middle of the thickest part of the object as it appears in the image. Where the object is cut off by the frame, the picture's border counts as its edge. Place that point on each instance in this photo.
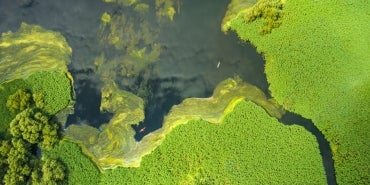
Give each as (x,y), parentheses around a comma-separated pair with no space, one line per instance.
(294,119)
(192,47)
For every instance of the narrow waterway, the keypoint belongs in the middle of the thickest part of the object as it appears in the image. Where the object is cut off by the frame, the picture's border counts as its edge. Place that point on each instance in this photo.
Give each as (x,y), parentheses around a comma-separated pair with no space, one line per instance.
(290,118)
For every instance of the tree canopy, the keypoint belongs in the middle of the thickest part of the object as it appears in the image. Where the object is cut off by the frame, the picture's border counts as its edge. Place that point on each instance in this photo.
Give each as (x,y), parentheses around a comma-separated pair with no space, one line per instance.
(19,101)
(35,127)
(32,127)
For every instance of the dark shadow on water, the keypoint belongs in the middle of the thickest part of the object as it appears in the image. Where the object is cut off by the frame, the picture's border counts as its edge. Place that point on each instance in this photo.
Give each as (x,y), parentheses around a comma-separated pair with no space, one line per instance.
(87,106)
(290,118)
(163,98)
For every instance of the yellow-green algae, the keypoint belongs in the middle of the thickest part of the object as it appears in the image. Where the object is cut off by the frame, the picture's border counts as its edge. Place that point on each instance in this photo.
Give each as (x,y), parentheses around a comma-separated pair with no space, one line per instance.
(317,65)
(34,59)
(32,49)
(142,8)
(106,146)
(114,145)
(122,2)
(133,40)
(105,18)
(248,146)
(165,8)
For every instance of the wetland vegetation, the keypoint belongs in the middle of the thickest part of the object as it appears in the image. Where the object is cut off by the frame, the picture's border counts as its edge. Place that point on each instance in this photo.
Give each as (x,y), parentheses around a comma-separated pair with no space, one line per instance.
(316,65)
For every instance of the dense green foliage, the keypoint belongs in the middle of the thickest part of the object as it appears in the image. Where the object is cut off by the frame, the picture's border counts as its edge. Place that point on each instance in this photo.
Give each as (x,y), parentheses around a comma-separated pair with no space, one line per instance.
(30,128)
(5,146)
(7,89)
(32,92)
(55,88)
(247,147)
(19,163)
(19,101)
(51,172)
(80,169)
(35,127)
(51,91)
(317,65)
(21,166)
(269,10)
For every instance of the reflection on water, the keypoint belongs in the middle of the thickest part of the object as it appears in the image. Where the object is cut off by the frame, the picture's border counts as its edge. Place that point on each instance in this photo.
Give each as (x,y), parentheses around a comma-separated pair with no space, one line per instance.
(192,46)
(87,111)
(195,57)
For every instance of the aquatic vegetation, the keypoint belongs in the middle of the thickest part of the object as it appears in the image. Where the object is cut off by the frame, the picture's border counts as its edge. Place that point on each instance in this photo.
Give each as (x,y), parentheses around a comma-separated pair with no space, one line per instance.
(317,65)
(122,2)
(114,145)
(247,146)
(248,141)
(107,145)
(133,39)
(142,8)
(32,49)
(105,18)
(165,8)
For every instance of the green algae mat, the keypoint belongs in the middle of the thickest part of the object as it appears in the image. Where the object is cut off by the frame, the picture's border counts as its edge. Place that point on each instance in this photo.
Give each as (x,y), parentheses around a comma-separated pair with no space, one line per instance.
(317,65)
(247,146)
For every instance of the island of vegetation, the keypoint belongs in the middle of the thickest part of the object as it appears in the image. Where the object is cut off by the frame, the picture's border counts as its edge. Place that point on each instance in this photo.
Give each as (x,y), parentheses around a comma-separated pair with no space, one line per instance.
(317,65)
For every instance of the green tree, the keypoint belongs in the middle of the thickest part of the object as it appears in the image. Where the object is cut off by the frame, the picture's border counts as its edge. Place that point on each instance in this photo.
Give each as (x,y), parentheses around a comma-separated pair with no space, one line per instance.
(30,128)
(270,11)
(50,135)
(5,147)
(19,101)
(53,171)
(38,98)
(35,127)
(19,158)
